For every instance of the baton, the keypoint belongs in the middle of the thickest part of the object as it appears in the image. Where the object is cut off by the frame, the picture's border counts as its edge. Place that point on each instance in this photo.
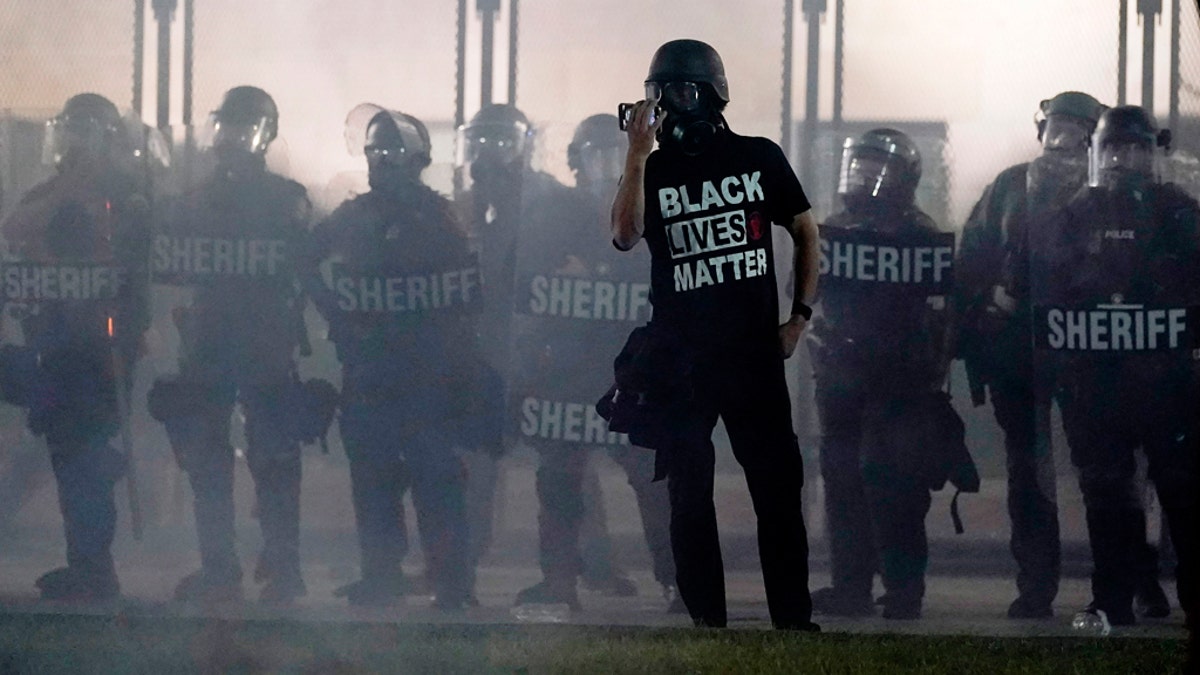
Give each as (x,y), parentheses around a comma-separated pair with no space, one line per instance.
(119,375)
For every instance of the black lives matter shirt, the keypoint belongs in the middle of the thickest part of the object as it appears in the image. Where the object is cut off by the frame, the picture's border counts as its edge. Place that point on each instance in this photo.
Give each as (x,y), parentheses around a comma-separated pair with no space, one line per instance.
(708,225)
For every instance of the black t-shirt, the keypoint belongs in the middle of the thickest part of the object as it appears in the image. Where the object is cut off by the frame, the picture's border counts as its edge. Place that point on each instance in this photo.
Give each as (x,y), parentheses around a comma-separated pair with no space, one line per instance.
(707,224)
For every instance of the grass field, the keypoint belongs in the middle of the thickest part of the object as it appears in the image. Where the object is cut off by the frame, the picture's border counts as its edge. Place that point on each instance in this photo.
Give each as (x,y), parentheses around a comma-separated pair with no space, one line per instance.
(44,643)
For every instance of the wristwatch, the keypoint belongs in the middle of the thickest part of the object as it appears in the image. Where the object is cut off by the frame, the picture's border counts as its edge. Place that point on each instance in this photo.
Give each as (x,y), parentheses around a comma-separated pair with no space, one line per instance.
(798,307)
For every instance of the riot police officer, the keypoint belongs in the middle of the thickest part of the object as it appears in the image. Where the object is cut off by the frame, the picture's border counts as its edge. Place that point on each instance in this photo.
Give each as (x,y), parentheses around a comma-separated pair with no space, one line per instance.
(86,230)
(495,157)
(562,348)
(995,346)
(233,240)
(880,354)
(400,284)
(1114,284)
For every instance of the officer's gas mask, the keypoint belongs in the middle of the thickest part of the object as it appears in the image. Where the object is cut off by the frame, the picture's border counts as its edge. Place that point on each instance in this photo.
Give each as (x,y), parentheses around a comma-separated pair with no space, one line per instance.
(692,121)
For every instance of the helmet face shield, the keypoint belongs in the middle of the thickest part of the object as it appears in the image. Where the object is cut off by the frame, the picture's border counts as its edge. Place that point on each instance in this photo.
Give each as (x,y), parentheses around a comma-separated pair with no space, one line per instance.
(493,143)
(867,174)
(1066,133)
(250,136)
(882,165)
(376,132)
(1120,160)
(680,97)
(77,136)
(601,164)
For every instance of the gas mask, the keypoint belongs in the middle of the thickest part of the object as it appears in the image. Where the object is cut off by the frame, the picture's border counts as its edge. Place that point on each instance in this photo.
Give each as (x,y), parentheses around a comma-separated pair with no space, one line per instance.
(691,124)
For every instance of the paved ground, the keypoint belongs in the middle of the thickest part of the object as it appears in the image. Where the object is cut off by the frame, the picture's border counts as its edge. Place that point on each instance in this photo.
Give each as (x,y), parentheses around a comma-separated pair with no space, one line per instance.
(969,586)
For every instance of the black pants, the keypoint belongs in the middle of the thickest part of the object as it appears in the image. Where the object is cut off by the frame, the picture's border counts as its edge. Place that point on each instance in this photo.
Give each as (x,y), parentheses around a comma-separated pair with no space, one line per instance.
(389,450)
(1032,491)
(875,507)
(1107,418)
(202,445)
(78,418)
(852,550)
(560,478)
(746,388)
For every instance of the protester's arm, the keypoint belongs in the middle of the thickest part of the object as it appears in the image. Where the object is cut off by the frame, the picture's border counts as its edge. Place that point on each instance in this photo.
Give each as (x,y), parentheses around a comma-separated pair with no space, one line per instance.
(629,206)
(806,259)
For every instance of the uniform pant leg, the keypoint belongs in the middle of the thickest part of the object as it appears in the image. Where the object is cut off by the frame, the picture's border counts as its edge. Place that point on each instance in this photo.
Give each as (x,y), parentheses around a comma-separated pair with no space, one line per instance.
(852,548)
(757,411)
(1102,449)
(85,474)
(597,562)
(378,477)
(560,510)
(654,507)
(273,455)
(1172,447)
(439,497)
(1032,491)
(899,505)
(203,450)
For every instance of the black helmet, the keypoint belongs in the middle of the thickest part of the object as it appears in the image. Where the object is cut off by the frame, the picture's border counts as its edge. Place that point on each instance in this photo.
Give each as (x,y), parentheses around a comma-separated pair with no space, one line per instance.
(882,164)
(1074,103)
(413,134)
(499,132)
(250,118)
(88,126)
(1123,144)
(599,132)
(597,152)
(1130,124)
(689,61)
(90,108)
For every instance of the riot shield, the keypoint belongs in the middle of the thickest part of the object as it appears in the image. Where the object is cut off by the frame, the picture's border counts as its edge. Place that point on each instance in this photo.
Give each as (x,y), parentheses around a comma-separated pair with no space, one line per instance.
(576,300)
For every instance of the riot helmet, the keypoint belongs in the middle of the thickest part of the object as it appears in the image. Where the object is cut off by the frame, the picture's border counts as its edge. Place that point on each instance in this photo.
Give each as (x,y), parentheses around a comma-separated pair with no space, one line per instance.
(881,167)
(498,134)
(687,79)
(686,61)
(1122,151)
(597,153)
(89,128)
(1065,122)
(244,124)
(495,148)
(396,145)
